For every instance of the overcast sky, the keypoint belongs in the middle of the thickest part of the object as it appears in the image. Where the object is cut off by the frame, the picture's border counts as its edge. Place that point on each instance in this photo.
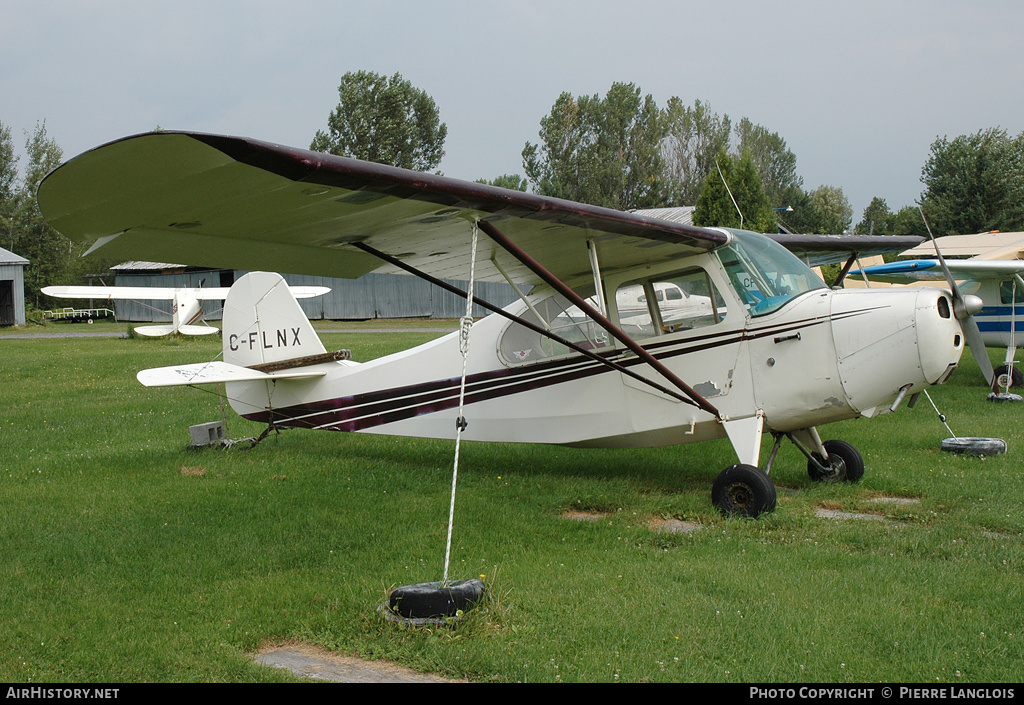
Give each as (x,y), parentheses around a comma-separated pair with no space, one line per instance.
(859,90)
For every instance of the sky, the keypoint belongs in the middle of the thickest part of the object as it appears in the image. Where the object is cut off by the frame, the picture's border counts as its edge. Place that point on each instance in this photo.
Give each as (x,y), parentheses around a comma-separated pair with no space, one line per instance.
(858,90)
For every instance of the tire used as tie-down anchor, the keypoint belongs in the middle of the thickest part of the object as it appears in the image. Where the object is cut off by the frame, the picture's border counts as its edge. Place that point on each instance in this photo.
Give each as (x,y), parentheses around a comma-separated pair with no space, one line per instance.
(975,446)
(435,600)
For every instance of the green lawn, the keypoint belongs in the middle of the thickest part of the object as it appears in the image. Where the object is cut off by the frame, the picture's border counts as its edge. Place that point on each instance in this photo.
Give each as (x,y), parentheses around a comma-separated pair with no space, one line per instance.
(127,557)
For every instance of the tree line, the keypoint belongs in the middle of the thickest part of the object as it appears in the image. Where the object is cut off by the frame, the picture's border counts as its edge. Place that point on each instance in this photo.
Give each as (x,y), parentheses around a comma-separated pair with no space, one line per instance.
(620,150)
(53,258)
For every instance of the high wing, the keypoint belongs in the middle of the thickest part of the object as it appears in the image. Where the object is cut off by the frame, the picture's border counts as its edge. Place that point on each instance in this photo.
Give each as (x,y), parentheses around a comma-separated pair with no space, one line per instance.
(230,202)
(931,270)
(815,250)
(115,293)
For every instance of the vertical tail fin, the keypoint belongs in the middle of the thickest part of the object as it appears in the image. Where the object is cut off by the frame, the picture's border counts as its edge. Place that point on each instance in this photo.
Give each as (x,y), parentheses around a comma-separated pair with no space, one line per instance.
(264,323)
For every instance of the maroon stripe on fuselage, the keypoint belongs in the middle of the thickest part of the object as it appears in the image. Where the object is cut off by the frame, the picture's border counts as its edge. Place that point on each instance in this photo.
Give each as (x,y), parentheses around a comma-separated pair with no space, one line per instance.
(366,410)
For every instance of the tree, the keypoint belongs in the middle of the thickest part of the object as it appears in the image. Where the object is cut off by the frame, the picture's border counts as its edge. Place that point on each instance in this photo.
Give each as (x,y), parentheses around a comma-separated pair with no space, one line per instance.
(601,151)
(717,204)
(831,209)
(8,179)
(877,218)
(53,258)
(694,137)
(823,210)
(975,183)
(515,182)
(908,221)
(776,164)
(384,120)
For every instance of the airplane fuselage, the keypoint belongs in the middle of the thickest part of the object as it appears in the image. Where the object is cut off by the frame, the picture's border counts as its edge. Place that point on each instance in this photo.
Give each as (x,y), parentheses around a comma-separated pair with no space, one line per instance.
(810,358)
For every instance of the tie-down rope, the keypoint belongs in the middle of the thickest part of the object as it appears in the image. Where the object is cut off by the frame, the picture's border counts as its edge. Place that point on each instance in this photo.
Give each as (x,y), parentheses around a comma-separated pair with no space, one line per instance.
(465,324)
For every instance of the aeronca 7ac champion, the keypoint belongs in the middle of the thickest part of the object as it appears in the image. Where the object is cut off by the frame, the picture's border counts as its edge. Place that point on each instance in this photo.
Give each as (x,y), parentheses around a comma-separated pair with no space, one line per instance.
(630,331)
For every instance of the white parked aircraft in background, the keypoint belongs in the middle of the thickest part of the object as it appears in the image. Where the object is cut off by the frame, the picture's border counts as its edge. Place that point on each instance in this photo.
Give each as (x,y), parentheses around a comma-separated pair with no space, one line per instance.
(186,306)
(768,347)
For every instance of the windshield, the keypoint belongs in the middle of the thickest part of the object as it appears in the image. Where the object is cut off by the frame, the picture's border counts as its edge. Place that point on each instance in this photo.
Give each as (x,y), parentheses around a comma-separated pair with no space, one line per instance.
(765,274)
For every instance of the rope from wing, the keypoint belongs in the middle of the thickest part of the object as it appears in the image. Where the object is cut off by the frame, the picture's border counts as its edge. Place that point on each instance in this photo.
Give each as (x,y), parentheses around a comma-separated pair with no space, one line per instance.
(465,324)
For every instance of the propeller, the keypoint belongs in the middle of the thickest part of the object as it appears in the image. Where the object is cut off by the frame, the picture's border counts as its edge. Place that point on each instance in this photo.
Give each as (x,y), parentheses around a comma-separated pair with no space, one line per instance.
(964,308)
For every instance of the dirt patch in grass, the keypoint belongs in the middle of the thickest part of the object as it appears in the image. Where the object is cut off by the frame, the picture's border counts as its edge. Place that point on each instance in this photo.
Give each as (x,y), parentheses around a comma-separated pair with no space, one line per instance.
(577,515)
(826,513)
(672,526)
(894,500)
(313,662)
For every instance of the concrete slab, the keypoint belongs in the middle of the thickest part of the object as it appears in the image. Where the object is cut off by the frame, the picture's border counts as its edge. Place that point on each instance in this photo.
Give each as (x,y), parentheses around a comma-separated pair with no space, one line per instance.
(311,662)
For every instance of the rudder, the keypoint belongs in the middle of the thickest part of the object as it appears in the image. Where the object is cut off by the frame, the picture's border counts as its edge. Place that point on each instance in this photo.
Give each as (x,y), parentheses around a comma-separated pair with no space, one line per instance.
(264,323)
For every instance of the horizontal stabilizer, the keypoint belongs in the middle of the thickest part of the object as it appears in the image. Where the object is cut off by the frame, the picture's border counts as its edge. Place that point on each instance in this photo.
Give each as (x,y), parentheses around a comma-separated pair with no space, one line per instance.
(154,331)
(215,373)
(308,292)
(198,330)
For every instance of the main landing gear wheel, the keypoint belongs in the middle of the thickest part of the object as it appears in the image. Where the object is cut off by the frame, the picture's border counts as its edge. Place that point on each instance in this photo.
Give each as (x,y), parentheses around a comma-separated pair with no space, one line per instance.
(844,461)
(743,491)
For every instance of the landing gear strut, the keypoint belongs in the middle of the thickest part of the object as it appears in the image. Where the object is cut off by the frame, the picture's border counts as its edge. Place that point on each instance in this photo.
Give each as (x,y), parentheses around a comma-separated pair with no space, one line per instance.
(746,491)
(844,463)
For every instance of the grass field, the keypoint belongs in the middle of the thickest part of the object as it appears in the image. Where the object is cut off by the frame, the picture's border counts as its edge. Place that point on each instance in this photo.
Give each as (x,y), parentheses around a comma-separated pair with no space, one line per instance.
(127,557)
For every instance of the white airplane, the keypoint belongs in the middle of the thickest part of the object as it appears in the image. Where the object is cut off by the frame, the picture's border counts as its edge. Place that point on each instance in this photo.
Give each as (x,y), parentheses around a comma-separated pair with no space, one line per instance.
(186,306)
(999,285)
(773,348)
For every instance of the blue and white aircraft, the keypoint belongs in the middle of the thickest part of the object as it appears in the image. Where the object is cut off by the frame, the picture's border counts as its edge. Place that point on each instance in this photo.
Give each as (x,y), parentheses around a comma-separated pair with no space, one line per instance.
(999,285)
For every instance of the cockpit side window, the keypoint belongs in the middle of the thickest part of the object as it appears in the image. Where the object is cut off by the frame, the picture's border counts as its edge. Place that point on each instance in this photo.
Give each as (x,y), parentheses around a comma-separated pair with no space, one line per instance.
(682,301)
(1009,292)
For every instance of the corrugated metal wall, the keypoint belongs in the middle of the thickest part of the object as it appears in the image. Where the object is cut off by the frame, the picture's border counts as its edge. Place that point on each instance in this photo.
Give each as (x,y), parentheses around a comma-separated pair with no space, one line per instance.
(370,296)
(160,311)
(12,278)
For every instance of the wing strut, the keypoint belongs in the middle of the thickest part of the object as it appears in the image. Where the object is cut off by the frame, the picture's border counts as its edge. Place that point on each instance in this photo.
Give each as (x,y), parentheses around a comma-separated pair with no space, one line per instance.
(523,322)
(846,270)
(553,281)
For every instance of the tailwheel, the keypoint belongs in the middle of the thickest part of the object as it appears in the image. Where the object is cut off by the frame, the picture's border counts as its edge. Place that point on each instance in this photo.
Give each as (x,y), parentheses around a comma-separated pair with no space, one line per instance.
(844,463)
(743,491)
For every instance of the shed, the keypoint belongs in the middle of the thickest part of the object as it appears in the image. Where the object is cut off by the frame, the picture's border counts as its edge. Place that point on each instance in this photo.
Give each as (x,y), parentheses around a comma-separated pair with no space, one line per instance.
(12,289)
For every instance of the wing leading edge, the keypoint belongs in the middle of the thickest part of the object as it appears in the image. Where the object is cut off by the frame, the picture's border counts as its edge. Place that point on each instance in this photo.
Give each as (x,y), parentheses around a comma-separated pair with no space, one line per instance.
(233,202)
(930,270)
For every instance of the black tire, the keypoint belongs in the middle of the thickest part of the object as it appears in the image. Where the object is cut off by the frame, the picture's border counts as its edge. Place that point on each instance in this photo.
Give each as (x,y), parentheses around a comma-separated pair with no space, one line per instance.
(974,446)
(743,491)
(846,464)
(1003,374)
(425,600)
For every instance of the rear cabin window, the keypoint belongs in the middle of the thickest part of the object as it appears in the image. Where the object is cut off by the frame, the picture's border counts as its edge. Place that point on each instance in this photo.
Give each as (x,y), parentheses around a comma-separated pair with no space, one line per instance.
(520,345)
